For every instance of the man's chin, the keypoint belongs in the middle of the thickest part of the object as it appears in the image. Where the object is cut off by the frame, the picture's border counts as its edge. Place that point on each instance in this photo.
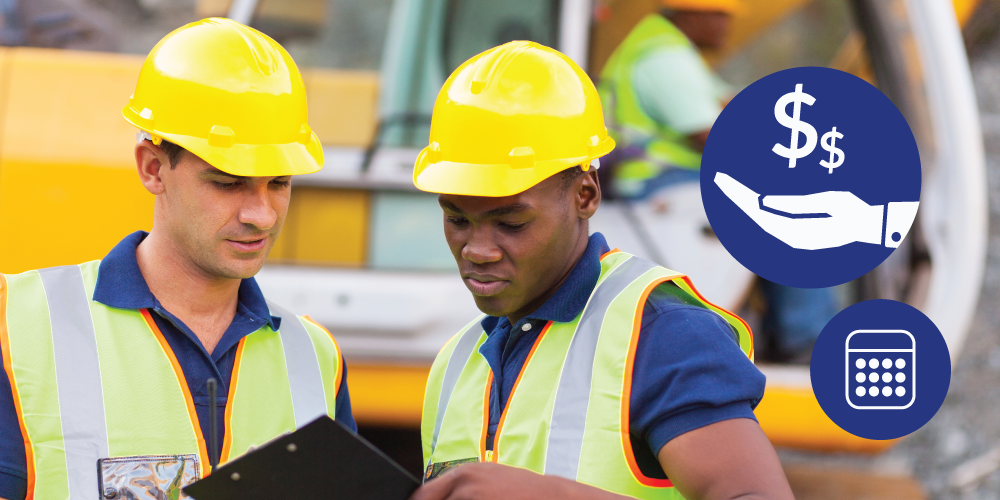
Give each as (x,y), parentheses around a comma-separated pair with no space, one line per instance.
(494,306)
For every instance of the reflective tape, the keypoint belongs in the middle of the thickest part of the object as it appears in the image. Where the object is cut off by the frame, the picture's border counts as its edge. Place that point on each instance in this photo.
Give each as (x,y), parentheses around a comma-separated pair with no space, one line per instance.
(302,365)
(78,377)
(456,363)
(569,413)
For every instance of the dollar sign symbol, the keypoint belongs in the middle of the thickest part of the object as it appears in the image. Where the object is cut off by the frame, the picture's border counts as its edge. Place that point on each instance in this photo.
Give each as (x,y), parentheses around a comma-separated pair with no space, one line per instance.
(795,152)
(827,142)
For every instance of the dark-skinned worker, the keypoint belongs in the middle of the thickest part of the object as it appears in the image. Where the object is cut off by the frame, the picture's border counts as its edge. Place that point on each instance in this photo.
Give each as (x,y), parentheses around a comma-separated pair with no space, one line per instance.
(592,373)
(110,360)
(661,97)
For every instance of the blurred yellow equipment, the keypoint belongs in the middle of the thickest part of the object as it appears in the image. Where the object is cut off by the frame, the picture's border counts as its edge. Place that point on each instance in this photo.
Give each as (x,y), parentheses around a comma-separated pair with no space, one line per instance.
(728,6)
(509,118)
(229,94)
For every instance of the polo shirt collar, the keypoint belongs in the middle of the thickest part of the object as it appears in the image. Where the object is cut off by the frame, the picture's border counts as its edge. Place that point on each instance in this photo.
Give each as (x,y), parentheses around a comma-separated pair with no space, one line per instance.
(120,283)
(572,296)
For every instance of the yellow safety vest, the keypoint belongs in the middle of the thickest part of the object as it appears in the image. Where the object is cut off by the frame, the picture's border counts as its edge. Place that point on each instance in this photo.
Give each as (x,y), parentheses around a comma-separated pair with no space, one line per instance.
(568,412)
(91,381)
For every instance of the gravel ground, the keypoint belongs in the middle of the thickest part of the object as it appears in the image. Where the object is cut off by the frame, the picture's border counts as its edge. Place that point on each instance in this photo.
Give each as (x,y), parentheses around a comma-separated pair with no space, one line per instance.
(957,455)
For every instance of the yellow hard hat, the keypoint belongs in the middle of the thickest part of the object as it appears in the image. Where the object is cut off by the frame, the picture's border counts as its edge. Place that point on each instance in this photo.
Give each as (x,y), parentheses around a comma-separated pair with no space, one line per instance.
(728,6)
(509,118)
(229,94)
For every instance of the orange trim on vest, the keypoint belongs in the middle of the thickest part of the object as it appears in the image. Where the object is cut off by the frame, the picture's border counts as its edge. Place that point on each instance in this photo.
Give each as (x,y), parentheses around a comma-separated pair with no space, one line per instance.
(503,416)
(486,417)
(626,401)
(340,362)
(182,381)
(227,439)
(703,299)
(8,367)
(609,252)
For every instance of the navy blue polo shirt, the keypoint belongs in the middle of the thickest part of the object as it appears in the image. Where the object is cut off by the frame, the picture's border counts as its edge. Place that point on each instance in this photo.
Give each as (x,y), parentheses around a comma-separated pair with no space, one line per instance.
(120,284)
(689,370)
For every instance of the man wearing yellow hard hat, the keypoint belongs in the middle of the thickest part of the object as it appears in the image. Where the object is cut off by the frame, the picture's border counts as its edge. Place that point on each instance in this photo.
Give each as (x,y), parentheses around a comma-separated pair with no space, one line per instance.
(111,365)
(661,97)
(593,373)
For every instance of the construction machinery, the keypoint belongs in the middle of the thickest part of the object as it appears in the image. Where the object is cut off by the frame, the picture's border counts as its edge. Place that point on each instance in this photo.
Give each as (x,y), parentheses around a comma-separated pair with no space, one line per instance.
(363,252)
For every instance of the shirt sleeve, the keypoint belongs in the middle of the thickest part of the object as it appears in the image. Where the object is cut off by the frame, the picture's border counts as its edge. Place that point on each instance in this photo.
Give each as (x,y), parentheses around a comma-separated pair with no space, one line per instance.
(13,468)
(344,414)
(676,87)
(689,371)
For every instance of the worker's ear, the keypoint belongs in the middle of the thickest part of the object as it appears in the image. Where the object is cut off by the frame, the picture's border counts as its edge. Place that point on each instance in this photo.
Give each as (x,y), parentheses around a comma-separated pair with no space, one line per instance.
(151,161)
(588,194)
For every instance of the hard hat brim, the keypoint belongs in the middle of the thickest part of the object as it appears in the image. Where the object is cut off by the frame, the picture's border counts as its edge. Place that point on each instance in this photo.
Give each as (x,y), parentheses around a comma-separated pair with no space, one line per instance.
(494,180)
(249,160)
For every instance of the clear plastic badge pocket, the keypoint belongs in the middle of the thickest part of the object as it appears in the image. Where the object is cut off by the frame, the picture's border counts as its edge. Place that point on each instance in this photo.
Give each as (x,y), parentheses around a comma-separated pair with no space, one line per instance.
(881,369)
(149,477)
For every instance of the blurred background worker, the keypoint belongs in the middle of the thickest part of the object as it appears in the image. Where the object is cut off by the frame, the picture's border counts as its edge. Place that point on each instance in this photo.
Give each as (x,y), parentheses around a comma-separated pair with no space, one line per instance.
(111,365)
(569,323)
(661,99)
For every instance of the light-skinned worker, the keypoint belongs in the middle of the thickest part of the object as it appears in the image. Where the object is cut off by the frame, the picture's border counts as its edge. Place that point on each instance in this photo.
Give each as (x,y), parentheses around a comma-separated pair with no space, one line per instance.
(592,373)
(111,360)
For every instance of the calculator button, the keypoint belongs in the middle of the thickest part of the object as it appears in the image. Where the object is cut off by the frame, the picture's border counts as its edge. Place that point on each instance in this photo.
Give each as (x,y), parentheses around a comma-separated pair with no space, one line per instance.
(860,377)
(900,364)
(900,377)
(900,391)
(873,391)
(873,377)
(886,363)
(873,364)
(860,363)
(887,391)
(886,377)
(860,391)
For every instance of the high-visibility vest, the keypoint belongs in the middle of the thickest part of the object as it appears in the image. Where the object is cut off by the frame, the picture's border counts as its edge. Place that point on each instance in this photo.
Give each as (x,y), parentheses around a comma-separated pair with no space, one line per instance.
(568,414)
(628,123)
(91,381)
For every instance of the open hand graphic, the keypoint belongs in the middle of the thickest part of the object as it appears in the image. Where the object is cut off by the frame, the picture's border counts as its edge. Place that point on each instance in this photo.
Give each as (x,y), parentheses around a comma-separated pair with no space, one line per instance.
(840,217)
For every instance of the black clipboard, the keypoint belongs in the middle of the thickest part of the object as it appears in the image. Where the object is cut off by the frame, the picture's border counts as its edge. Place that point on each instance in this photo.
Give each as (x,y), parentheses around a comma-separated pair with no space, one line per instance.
(322,460)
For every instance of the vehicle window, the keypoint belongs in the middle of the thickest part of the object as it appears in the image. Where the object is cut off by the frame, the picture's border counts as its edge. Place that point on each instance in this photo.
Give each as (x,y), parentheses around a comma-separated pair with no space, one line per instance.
(821,33)
(407,233)
(472,26)
(346,34)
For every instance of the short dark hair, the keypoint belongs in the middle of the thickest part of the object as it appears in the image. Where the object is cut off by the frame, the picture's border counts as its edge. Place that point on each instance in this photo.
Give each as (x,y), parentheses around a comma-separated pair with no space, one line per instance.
(569,176)
(173,151)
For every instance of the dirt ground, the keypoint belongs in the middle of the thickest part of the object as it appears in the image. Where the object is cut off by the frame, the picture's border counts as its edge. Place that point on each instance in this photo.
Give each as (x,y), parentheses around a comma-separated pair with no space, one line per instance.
(956,456)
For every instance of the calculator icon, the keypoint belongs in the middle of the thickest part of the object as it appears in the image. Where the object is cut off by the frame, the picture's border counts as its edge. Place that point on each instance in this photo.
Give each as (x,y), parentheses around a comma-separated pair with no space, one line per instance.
(881,369)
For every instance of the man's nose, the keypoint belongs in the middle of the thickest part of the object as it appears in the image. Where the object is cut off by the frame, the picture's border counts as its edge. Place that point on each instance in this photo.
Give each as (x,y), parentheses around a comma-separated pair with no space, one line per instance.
(257,209)
(480,249)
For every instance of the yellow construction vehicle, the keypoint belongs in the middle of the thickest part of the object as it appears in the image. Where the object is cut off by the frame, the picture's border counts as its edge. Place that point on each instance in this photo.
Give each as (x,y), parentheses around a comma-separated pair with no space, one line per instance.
(360,237)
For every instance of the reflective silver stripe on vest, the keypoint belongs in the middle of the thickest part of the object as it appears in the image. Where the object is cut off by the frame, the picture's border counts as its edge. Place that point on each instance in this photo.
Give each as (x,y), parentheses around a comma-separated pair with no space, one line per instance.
(456,363)
(78,377)
(302,365)
(569,414)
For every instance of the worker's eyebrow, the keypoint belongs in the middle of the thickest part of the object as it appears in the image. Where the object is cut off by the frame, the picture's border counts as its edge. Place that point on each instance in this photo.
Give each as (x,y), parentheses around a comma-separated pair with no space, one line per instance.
(212,171)
(496,212)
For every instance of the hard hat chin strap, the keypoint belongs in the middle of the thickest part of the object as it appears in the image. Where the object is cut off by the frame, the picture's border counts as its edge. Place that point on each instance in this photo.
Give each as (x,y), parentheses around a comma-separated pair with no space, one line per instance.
(142,135)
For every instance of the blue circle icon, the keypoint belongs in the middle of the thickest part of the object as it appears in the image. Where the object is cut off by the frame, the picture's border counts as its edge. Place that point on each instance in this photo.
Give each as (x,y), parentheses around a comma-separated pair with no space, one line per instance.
(810,177)
(880,369)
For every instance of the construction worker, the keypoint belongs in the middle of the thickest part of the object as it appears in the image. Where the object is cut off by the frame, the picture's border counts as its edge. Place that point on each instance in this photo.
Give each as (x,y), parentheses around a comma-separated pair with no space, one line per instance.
(110,364)
(661,97)
(661,100)
(593,373)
